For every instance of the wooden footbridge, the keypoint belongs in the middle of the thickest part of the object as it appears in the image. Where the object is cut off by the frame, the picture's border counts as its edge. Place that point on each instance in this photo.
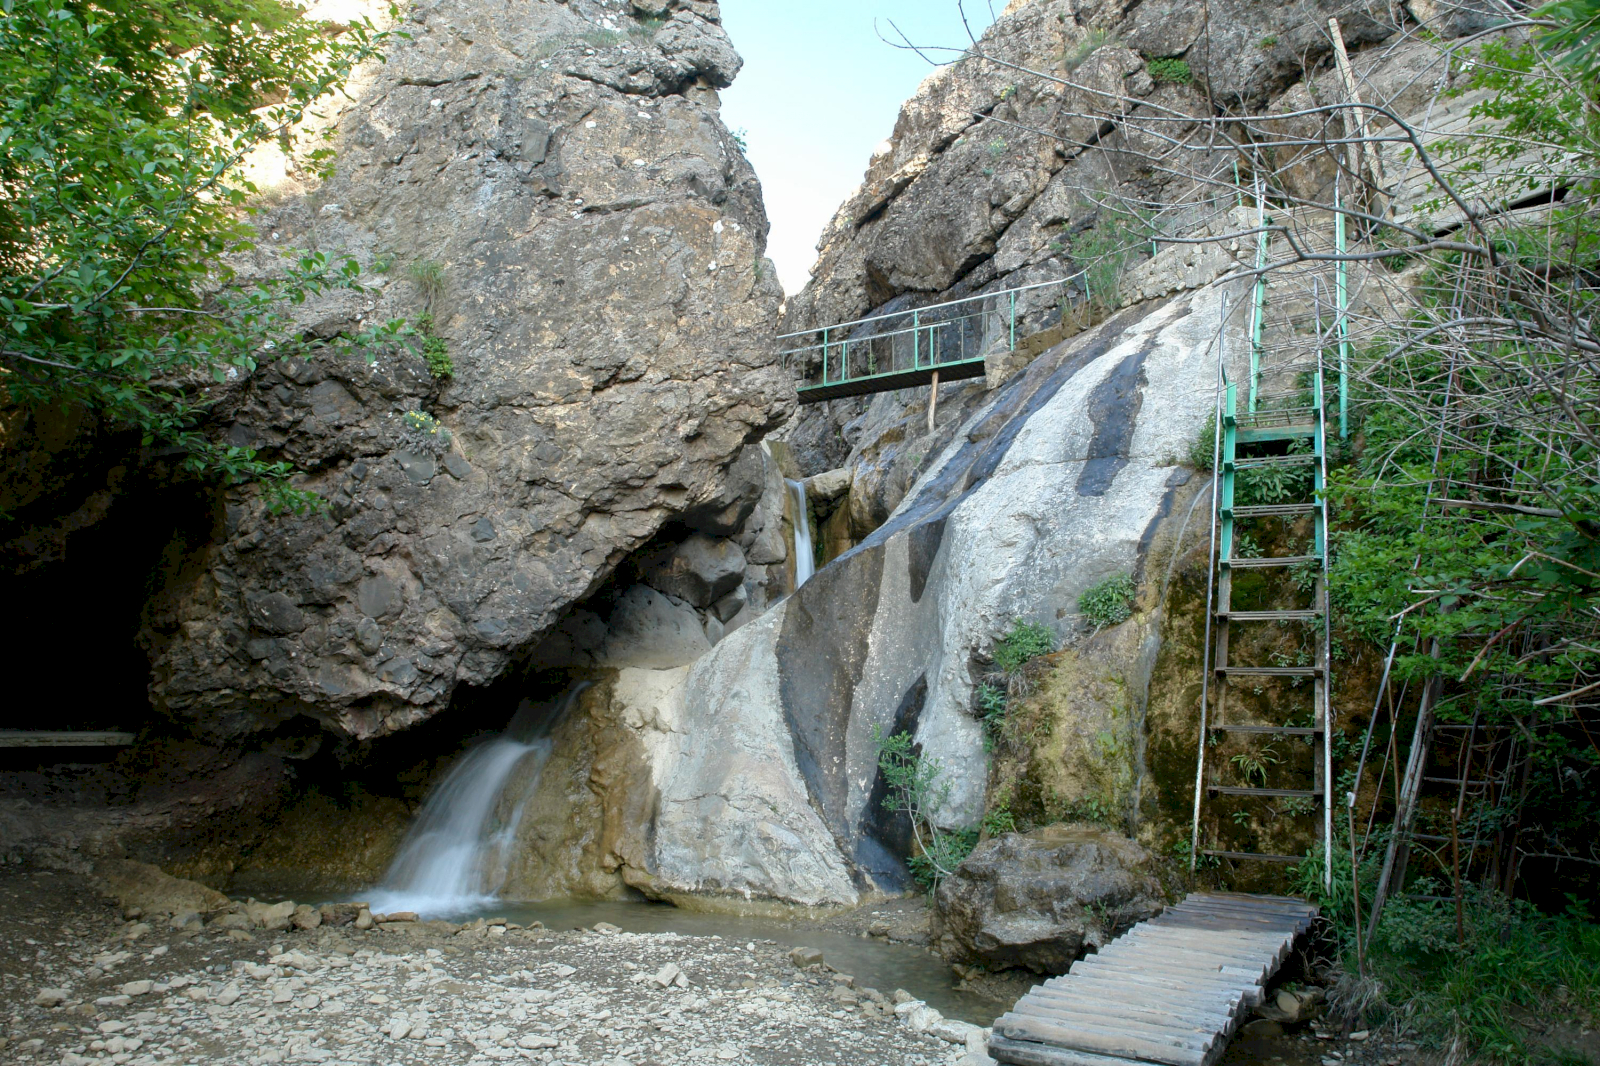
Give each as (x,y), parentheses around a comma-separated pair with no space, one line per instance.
(1170,991)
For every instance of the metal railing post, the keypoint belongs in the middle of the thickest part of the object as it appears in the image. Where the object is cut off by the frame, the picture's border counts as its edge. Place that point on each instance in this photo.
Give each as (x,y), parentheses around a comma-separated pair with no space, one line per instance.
(824,356)
(916,341)
(1342,310)
(1013,320)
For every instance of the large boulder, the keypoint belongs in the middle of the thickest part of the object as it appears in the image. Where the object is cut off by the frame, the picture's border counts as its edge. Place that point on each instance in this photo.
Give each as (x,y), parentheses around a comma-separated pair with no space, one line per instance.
(1038,901)
(701,570)
(554,184)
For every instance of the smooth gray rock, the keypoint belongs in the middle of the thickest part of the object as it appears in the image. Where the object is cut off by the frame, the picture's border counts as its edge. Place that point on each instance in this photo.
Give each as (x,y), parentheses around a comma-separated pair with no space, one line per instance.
(1038,901)
(648,630)
(700,571)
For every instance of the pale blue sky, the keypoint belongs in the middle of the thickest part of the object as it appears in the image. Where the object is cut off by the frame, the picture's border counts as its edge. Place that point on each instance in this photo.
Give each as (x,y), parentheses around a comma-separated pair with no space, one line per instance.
(818,92)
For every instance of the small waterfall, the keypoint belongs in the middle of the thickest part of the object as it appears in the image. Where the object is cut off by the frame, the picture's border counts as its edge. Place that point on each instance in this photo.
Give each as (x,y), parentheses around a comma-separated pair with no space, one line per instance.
(805,561)
(456,854)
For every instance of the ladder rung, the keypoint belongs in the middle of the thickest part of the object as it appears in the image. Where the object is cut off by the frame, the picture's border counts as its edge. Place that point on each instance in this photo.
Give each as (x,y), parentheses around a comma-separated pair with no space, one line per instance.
(1276,730)
(1281,416)
(1273,671)
(1271,510)
(1266,433)
(1255,856)
(1264,462)
(1240,790)
(1281,560)
(1270,616)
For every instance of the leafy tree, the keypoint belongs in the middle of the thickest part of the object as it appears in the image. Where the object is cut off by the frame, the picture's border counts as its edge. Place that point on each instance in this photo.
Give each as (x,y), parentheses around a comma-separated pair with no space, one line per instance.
(123,125)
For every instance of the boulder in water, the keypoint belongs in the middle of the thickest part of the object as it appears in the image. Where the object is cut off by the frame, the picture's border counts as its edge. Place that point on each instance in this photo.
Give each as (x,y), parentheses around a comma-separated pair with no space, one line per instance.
(1037,900)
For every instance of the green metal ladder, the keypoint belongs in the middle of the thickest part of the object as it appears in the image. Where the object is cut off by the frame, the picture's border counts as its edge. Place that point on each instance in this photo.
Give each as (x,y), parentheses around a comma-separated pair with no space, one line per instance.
(1245,442)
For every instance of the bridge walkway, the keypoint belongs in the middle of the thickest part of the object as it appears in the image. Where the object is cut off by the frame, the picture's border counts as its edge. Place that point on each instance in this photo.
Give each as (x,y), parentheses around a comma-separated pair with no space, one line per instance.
(1168,992)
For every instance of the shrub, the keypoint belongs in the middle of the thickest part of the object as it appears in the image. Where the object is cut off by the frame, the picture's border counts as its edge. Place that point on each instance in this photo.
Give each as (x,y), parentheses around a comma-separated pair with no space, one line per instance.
(428,276)
(1175,71)
(916,786)
(1203,451)
(434,348)
(1026,640)
(1110,602)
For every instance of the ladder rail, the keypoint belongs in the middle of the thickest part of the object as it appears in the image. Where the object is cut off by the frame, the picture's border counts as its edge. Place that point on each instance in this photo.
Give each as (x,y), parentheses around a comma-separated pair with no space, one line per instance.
(1211,579)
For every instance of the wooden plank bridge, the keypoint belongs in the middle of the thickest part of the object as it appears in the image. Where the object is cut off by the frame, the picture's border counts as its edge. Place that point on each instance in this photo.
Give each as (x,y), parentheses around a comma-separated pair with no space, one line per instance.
(1169,991)
(43,738)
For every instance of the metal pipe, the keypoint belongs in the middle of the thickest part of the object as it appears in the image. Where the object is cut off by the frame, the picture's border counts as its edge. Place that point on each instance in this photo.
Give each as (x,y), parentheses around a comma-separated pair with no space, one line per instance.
(1211,581)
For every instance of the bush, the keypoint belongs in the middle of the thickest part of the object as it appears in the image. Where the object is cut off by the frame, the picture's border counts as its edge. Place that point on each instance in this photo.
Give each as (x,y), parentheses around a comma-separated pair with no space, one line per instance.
(916,786)
(1110,602)
(1203,451)
(1026,640)
(1175,71)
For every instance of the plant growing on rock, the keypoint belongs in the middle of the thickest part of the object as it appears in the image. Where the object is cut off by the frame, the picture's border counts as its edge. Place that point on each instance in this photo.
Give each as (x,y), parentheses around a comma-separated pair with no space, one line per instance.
(1175,71)
(1108,603)
(917,788)
(1022,642)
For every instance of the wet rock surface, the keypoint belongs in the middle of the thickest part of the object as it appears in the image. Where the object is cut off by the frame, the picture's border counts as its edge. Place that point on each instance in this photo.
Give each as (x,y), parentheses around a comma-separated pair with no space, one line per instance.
(1041,900)
(95,988)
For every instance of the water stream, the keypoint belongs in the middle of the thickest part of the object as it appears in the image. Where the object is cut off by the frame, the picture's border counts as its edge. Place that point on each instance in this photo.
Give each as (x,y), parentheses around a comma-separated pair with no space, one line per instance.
(456,853)
(805,559)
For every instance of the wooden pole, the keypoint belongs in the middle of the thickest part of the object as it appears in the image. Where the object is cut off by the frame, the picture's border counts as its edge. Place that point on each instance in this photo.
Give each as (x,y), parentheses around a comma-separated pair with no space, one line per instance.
(933,400)
(1356,116)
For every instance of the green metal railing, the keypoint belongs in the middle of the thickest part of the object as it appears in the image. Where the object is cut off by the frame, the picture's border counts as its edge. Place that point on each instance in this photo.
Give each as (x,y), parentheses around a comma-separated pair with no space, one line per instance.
(888,348)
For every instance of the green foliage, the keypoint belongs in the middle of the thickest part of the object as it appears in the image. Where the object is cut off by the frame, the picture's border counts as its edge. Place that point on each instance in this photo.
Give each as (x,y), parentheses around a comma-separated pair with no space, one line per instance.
(122,129)
(1175,71)
(999,819)
(997,148)
(1203,449)
(434,348)
(917,788)
(1119,235)
(1024,641)
(383,262)
(428,276)
(739,138)
(1092,42)
(1575,35)
(1110,602)
(1254,766)
(992,704)
(1268,41)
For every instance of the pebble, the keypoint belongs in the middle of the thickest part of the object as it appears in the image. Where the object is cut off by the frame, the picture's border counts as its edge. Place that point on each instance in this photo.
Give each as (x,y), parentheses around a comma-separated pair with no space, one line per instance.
(455,996)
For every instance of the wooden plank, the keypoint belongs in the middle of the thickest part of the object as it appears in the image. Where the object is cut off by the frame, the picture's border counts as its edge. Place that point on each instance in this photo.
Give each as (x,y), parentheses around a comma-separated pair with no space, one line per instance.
(1165,982)
(1146,998)
(1096,1016)
(42,738)
(1275,948)
(1088,1022)
(1237,939)
(1179,955)
(1021,1053)
(1150,1049)
(1215,1017)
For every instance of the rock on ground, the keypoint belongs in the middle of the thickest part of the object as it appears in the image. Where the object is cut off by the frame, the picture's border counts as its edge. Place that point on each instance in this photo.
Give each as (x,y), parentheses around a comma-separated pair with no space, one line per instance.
(424,993)
(1040,900)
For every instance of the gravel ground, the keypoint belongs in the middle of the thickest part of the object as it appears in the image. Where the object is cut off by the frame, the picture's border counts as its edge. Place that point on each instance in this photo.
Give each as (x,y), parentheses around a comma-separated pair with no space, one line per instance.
(81,984)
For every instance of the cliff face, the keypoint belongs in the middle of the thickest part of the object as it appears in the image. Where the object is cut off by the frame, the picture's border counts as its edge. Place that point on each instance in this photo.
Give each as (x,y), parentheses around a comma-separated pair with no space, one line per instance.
(555,185)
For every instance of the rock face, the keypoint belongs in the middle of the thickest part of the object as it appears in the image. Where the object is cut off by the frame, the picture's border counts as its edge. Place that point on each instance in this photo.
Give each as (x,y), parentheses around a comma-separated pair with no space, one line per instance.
(554,184)
(761,760)
(1037,901)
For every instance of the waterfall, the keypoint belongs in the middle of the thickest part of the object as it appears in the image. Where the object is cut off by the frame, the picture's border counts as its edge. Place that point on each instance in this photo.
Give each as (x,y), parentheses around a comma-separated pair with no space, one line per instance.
(456,854)
(805,561)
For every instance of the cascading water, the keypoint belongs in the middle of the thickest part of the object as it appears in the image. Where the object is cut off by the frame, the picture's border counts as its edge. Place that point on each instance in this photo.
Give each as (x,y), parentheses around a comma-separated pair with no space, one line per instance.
(804,560)
(456,854)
